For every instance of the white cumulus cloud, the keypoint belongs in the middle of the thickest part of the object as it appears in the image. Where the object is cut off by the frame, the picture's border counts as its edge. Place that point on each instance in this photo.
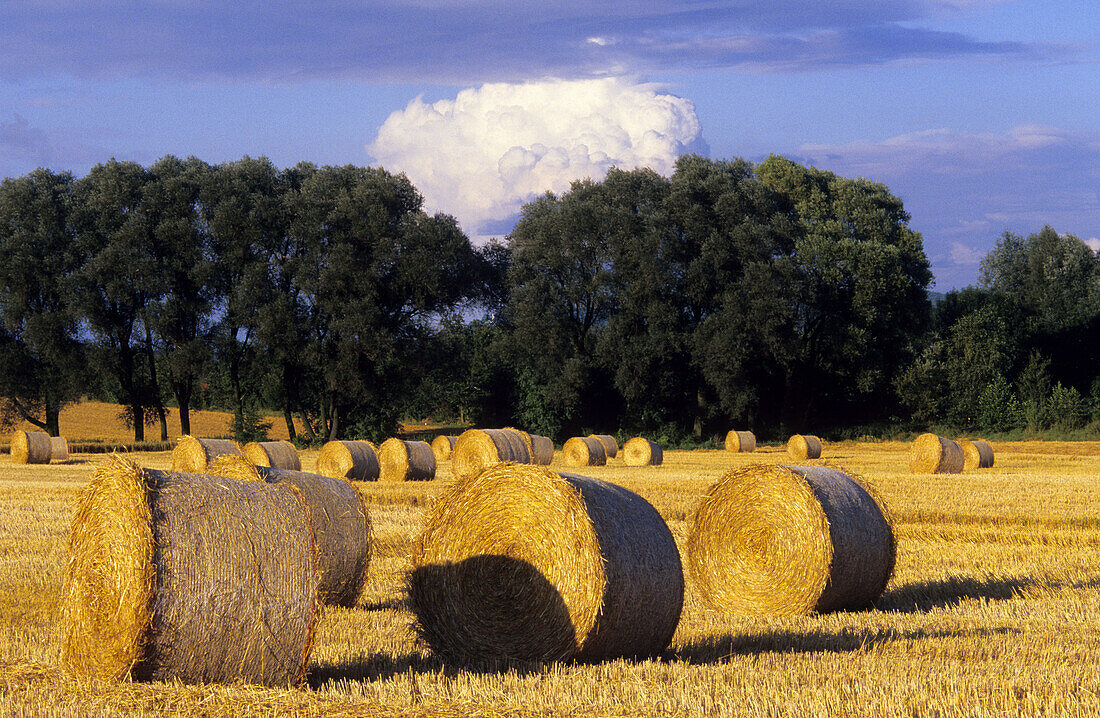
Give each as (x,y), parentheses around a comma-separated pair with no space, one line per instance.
(1094,244)
(483,154)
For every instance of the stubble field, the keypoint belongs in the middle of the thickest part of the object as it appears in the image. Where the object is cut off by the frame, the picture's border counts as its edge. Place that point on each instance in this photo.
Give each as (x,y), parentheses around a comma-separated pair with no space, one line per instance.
(994,609)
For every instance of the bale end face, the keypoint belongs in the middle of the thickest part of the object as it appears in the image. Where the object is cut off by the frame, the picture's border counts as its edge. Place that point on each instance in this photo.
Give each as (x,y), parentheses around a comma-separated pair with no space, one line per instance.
(30,447)
(584,451)
(478,449)
(400,460)
(351,460)
(640,451)
(740,441)
(273,454)
(191,454)
(932,454)
(442,446)
(609,443)
(804,446)
(977,454)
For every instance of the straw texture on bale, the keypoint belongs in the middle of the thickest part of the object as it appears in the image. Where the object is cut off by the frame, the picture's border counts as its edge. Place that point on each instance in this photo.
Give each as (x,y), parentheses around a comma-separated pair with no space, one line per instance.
(352,460)
(30,447)
(610,445)
(788,540)
(931,454)
(542,451)
(523,563)
(191,455)
(526,438)
(275,454)
(341,524)
(59,448)
(739,441)
(977,454)
(583,451)
(400,460)
(174,576)
(476,449)
(640,451)
(442,446)
(804,446)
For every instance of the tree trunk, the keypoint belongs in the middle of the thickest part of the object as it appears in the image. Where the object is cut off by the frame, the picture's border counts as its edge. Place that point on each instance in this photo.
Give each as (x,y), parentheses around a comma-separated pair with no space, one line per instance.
(289,422)
(53,416)
(700,408)
(334,423)
(154,386)
(183,396)
(307,427)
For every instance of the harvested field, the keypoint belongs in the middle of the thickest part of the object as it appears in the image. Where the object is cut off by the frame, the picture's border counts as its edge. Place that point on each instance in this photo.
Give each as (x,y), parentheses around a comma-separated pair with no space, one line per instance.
(994,609)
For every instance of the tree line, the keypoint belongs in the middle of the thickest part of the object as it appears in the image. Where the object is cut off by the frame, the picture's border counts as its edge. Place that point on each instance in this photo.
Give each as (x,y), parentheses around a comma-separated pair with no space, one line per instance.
(774,296)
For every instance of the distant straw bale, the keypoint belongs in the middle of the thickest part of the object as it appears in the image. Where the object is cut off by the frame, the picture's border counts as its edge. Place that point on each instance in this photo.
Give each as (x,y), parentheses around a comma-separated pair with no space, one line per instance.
(788,540)
(442,446)
(542,451)
(521,563)
(30,447)
(59,448)
(476,449)
(341,524)
(185,577)
(931,454)
(977,454)
(352,460)
(584,451)
(526,438)
(610,445)
(804,446)
(275,454)
(191,455)
(640,451)
(400,460)
(740,441)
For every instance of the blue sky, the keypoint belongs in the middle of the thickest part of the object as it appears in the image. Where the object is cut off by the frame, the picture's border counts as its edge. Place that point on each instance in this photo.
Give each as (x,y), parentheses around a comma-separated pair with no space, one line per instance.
(980,114)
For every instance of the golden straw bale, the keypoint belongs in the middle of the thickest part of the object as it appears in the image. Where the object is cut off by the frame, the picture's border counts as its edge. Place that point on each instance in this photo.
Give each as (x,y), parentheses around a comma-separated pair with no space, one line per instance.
(542,451)
(527,441)
(186,577)
(788,540)
(584,451)
(931,454)
(476,449)
(30,447)
(640,451)
(59,448)
(352,460)
(442,446)
(804,446)
(977,454)
(400,460)
(276,454)
(341,524)
(191,455)
(740,441)
(610,445)
(524,563)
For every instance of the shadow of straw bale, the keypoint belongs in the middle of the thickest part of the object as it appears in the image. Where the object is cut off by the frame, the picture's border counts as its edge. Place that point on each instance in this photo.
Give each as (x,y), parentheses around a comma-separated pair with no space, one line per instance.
(390,604)
(923,596)
(382,667)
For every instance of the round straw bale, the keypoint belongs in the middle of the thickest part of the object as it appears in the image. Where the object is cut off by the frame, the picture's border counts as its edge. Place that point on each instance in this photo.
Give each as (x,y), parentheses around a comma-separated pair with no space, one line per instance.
(30,447)
(525,437)
(523,563)
(191,455)
(739,441)
(542,450)
(640,451)
(276,454)
(788,540)
(977,454)
(442,446)
(400,460)
(59,448)
(185,577)
(804,446)
(352,460)
(931,454)
(610,445)
(584,451)
(341,524)
(476,449)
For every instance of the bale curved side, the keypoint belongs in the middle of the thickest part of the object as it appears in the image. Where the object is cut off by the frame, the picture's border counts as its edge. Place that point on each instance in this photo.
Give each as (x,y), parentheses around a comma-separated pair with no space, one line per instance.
(442,446)
(528,443)
(788,540)
(477,449)
(932,454)
(522,563)
(584,451)
(59,448)
(610,444)
(804,446)
(191,455)
(276,454)
(977,454)
(740,441)
(351,460)
(542,450)
(640,451)
(400,460)
(30,447)
(176,576)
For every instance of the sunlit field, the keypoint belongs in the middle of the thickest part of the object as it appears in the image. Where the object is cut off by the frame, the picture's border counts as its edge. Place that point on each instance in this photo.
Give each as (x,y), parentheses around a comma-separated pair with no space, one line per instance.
(994,609)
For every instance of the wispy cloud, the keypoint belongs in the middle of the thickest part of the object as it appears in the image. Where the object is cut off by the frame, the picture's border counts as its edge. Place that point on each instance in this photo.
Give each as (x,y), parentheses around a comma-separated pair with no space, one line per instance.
(24,146)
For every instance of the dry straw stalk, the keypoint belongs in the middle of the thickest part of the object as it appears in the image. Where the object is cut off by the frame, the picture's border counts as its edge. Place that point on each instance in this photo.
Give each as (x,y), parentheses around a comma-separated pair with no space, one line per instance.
(542,450)
(788,540)
(477,449)
(932,454)
(442,446)
(583,451)
(804,446)
(184,577)
(191,455)
(30,447)
(521,563)
(640,451)
(610,445)
(740,441)
(977,454)
(352,460)
(400,460)
(341,524)
(59,448)
(275,454)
